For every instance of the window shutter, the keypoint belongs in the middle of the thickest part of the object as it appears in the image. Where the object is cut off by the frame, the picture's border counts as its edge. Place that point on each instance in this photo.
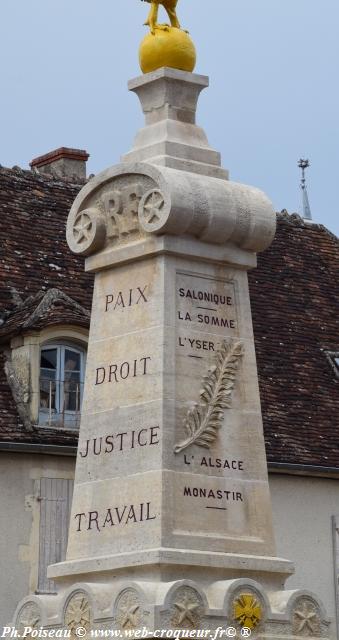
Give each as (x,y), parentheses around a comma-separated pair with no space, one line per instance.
(55,504)
(335,529)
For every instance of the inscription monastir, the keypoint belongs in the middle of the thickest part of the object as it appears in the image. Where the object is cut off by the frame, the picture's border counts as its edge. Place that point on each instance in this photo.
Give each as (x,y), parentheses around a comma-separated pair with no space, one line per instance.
(214,494)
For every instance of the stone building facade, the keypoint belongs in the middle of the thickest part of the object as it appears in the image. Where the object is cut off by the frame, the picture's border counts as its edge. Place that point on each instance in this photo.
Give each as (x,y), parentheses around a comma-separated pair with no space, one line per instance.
(45,300)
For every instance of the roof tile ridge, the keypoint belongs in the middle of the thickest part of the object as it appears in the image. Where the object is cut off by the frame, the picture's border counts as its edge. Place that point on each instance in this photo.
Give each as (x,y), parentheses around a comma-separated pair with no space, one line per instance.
(50,297)
(297,220)
(46,177)
(7,314)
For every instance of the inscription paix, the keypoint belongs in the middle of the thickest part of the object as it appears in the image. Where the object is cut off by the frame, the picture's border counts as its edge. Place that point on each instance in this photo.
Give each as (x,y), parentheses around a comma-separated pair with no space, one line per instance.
(118,372)
(125,299)
(121,442)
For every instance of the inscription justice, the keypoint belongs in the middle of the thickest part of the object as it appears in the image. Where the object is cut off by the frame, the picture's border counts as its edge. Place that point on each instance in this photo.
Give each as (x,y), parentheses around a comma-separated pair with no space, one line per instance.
(121,441)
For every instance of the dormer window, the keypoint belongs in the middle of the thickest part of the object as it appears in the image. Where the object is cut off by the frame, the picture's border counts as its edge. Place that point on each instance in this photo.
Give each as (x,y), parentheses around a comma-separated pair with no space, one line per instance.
(333,358)
(62,369)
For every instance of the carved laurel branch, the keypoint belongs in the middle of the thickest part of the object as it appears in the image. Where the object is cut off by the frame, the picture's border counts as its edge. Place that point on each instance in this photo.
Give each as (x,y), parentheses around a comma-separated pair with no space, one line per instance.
(205,419)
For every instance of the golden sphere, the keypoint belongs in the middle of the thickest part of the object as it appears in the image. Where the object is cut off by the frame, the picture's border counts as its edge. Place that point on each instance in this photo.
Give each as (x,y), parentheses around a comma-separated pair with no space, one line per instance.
(167,47)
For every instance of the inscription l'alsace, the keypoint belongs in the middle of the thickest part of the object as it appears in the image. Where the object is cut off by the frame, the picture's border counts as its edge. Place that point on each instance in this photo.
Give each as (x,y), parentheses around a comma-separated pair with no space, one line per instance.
(114,516)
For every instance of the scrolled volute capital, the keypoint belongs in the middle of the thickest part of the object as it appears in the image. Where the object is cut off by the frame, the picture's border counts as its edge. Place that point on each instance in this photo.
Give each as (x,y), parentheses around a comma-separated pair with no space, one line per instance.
(130,202)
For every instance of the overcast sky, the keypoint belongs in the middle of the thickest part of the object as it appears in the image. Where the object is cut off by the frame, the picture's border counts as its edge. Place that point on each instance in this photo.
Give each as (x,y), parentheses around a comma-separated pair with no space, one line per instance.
(274,97)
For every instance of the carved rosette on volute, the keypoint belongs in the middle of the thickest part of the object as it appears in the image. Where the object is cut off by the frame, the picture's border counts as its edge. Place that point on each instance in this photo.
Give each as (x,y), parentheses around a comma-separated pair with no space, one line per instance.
(108,215)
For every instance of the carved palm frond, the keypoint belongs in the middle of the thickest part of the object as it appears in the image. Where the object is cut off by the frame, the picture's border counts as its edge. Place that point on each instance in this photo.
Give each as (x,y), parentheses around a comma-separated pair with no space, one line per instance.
(205,419)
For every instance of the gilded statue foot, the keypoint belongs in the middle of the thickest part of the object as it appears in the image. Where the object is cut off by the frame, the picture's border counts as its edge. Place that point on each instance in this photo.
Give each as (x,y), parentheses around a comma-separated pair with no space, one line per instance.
(153,27)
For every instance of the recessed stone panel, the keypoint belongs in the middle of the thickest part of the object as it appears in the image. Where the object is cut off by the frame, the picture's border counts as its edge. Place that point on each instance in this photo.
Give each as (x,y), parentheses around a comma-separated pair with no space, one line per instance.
(112,516)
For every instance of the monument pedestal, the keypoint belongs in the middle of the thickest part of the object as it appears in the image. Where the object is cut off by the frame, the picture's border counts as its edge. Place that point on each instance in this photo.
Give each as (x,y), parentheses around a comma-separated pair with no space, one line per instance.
(171,524)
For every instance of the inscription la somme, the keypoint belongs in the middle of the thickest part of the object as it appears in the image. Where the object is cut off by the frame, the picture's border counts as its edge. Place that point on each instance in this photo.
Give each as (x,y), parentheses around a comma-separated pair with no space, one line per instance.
(217,302)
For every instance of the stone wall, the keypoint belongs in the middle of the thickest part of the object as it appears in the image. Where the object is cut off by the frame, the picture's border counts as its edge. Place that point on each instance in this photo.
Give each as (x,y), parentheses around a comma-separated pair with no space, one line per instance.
(20,476)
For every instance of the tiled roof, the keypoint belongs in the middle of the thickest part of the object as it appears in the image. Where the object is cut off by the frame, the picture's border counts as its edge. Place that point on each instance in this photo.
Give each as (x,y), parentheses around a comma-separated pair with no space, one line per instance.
(34,255)
(45,308)
(295,307)
(294,304)
(35,259)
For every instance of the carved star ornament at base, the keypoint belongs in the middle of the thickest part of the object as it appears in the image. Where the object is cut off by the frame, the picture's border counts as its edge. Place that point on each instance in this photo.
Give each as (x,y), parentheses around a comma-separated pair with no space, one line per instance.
(78,615)
(28,617)
(306,619)
(187,609)
(128,610)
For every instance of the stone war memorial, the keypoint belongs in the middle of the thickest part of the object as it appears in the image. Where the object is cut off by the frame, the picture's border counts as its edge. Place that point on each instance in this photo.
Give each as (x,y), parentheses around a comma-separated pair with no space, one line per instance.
(171,526)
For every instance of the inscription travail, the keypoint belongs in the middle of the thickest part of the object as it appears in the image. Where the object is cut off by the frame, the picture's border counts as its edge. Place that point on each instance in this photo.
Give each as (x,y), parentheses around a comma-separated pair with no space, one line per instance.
(114,516)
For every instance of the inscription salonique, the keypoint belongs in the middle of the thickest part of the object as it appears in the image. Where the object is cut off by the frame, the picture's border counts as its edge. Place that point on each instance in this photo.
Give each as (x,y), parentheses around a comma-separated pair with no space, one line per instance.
(206,296)
(202,313)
